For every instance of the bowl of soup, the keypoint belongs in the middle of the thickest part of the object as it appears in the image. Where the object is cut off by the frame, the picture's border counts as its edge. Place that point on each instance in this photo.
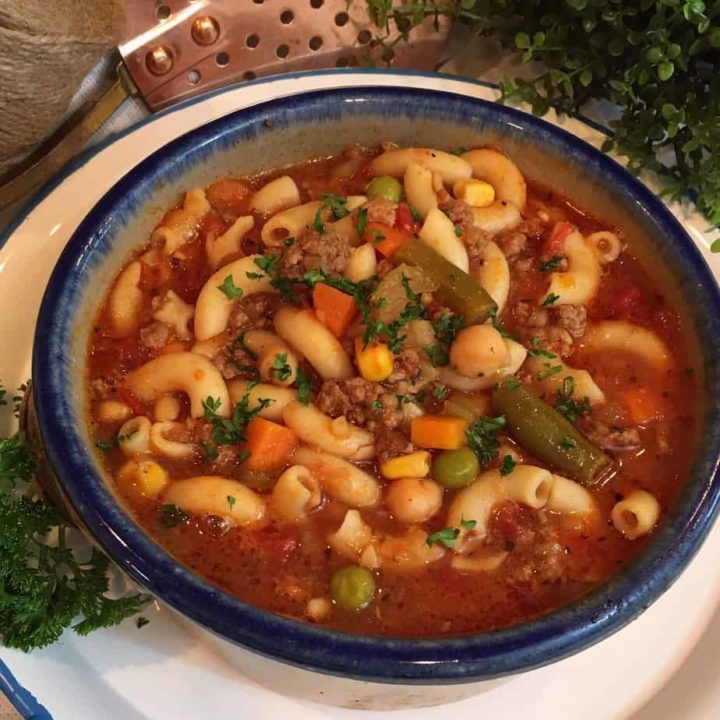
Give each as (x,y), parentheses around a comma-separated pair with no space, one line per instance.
(396,387)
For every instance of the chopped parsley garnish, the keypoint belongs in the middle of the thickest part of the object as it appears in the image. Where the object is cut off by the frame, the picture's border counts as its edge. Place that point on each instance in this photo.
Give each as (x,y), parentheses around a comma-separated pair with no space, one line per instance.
(127,437)
(566,405)
(103,445)
(437,354)
(304,386)
(231,431)
(448,535)
(460,150)
(441,392)
(377,236)
(211,451)
(230,501)
(550,299)
(337,206)
(172,515)
(362,220)
(254,276)
(376,406)
(458,231)
(482,440)
(537,351)
(402,400)
(551,264)
(141,622)
(416,216)
(508,465)
(568,443)
(554,370)
(498,326)
(513,383)
(229,289)
(446,327)
(281,368)
(289,242)
(285,285)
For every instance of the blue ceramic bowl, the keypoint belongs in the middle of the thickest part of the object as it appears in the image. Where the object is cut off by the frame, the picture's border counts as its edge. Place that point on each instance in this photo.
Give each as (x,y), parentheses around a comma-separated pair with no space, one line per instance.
(321,123)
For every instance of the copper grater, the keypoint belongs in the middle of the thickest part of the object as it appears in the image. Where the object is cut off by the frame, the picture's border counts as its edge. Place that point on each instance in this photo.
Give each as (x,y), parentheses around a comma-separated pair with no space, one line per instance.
(174,49)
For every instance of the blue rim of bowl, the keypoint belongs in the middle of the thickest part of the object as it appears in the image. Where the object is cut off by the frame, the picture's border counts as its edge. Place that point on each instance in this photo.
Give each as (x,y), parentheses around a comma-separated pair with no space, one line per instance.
(444,660)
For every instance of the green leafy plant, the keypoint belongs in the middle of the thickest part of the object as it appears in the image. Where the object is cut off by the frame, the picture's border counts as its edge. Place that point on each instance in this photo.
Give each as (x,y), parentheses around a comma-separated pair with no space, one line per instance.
(47,585)
(655,60)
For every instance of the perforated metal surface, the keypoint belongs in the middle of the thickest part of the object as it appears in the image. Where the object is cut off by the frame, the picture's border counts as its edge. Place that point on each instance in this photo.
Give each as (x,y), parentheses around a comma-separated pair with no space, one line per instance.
(177,48)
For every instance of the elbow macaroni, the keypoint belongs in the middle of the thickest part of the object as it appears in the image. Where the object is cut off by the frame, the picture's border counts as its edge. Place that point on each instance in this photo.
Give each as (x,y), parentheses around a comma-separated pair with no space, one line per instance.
(278,194)
(192,374)
(619,336)
(213,307)
(419,190)
(302,330)
(333,435)
(636,515)
(179,226)
(438,232)
(580,282)
(229,243)
(450,168)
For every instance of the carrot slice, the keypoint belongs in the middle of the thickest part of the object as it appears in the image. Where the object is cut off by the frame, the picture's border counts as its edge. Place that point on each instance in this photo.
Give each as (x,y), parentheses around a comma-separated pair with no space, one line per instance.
(439,432)
(385,239)
(643,405)
(334,308)
(269,444)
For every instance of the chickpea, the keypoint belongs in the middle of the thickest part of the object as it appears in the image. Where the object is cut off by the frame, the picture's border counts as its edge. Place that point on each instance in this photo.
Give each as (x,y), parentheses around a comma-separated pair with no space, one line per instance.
(478,351)
(413,500)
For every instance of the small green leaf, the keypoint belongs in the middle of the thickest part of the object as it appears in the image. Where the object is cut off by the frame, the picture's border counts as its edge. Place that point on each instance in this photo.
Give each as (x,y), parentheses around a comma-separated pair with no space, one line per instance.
(229,289)
(666,70)
(522,41)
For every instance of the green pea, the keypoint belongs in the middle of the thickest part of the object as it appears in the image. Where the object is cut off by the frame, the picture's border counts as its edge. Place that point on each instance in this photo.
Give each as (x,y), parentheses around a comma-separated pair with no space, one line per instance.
(384,187)
(455,468)
(352,587)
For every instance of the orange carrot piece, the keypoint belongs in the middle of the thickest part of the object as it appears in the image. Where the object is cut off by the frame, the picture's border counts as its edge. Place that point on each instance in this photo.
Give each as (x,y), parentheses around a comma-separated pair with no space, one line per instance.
(385,239)
(270,444)
(334,308)
(439,432)
(643,405)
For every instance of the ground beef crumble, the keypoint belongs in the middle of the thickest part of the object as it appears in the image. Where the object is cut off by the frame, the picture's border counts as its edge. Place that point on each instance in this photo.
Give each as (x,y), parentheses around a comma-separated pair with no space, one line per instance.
(312,250)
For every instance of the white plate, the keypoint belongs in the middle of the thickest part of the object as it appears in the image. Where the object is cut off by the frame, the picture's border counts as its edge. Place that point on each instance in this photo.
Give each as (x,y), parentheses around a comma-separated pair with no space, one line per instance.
(162,671)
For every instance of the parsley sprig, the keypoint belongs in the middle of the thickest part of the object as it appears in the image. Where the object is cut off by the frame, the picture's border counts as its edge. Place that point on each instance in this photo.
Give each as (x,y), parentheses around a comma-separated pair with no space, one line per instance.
(47,584)
(448,535)
(568,406)
(231,431)
(482,438)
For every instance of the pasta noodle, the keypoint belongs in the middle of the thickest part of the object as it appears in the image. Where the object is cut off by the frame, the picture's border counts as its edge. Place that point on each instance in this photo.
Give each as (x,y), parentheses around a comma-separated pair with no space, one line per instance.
(295,494)
(636,515)
(438,232)
(192,374)
(213,307)
(501,172)
(229,243)
(614,336)
(335,436)
(288,223)
(219,496)
(134,436)
(579,283)
(494,275)
(179,226)
(583,384)
(126,300)
(278,194)
(450,168)
(279,397)
(314,342)
(419,190)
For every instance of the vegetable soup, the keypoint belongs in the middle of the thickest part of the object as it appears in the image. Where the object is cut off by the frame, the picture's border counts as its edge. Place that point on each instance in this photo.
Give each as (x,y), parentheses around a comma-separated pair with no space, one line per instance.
(398,391)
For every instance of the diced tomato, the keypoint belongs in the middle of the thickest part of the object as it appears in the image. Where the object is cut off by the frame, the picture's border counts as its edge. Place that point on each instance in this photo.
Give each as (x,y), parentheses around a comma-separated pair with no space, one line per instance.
(278,545)
(403,218)
(229,195)
(129,398)
(625,301)
(212,225)
(555,244)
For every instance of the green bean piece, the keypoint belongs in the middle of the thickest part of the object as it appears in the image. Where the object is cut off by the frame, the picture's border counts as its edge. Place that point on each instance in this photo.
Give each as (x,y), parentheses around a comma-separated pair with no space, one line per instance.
(384,187)
(456,289)
(549,436)
(352,587)
(455,468)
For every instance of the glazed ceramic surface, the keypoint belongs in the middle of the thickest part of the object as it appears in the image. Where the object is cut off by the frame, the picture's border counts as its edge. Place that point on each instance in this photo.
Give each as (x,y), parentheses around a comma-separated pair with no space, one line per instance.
(134,642)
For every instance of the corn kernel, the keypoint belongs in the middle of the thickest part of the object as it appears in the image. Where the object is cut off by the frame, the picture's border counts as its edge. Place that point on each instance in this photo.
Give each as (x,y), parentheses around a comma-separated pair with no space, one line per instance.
(476,193)
(375,361)
(416,464)
(143,477)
